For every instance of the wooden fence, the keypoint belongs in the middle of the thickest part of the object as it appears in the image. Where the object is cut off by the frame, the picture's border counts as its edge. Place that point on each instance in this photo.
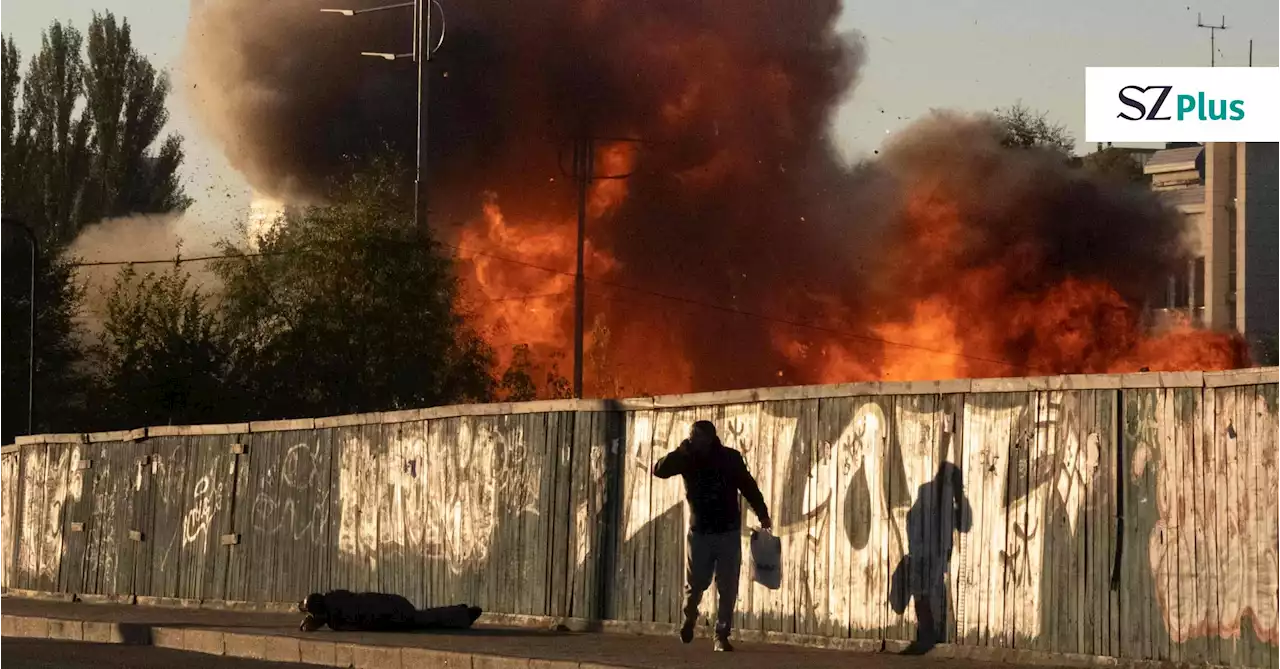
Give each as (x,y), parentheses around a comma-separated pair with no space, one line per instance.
(1132,516)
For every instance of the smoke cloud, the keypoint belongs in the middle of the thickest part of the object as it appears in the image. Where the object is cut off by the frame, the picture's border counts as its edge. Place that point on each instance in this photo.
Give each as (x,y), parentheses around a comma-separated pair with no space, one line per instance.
(133,238)
(739,250)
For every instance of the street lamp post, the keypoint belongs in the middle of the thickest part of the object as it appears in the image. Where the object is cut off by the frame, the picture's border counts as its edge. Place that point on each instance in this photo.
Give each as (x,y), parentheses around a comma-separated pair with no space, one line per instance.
(422,50)
(31,332)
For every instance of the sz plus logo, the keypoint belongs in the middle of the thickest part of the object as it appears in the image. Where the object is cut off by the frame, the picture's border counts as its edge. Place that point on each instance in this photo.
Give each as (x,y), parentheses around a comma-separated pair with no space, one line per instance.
(1181,104)
(1141,107)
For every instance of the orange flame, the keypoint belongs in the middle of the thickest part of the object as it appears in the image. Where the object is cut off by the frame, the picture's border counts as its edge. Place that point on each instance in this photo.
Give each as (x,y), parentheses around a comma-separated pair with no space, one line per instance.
(518,278)
(964,320)
(942,316)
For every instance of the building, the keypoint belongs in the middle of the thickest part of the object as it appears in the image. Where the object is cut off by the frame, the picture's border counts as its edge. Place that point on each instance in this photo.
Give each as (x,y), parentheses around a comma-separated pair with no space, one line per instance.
(264,214)
(1229,190)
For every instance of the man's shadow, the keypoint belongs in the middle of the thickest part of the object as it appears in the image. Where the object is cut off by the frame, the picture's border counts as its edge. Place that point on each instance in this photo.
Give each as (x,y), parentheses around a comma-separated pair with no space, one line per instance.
(940,509)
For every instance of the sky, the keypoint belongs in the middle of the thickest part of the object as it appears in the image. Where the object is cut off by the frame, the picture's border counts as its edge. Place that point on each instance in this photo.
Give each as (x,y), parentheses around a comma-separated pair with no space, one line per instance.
(922,54)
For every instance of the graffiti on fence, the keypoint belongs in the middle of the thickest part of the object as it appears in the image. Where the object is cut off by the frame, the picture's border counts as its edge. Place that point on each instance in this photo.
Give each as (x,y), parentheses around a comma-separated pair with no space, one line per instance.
(301,507)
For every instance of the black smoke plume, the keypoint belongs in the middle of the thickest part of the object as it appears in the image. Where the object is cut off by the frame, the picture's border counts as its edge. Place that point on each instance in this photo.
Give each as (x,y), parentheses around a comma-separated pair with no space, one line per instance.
(735,196)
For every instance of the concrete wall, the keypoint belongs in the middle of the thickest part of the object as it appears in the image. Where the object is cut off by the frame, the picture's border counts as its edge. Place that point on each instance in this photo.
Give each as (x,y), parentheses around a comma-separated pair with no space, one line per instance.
(1132,516)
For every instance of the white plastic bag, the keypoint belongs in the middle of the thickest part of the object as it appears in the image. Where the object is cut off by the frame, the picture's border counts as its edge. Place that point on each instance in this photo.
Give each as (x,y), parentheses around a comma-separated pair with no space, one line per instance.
(766,559)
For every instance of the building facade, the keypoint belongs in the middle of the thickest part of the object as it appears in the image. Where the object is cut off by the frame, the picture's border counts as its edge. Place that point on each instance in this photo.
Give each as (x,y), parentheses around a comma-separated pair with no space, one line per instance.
(264,214)
(1229,191)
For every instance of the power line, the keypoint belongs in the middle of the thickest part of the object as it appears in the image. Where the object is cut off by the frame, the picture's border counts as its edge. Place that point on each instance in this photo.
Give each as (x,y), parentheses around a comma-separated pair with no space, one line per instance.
(178,260)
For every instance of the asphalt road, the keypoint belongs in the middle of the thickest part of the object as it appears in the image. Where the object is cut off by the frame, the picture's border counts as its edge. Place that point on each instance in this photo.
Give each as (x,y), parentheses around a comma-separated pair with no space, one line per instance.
(42,654)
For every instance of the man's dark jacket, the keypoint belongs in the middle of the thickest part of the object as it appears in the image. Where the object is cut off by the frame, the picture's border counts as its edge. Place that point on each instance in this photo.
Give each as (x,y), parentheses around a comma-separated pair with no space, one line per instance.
(713,477)
(371,611)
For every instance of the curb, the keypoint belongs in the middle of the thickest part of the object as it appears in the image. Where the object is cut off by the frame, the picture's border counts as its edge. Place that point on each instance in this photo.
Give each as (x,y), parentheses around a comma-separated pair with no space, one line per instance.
(270,647)
(344,654)
(63,629)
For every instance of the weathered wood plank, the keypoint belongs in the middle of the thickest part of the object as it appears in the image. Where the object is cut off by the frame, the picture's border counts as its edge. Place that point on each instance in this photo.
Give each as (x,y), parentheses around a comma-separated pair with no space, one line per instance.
(778,424)
(1021,439)
(141,530)
(1210,512)
(1247,525)
(1091,528)
(1142,580)
(835,552)
(955,513)
(835,417)
(1228,531)
(562,561)
(1078,461)
(1169,490)
(737,426)
(168,470)
(639,530)
(1040,622)
(1270,406)
(984,416)
(75,522)
(10,528)
(437,507)
(1113,457)
(668,524)
(1192,561)
(1264,521)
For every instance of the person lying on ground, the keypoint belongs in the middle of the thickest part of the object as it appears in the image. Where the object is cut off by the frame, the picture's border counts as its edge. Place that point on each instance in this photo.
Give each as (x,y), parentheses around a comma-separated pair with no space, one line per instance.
(346,611)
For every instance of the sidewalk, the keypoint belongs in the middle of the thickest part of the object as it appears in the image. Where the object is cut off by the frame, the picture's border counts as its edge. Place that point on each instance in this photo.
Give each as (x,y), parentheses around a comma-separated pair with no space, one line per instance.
(276,637)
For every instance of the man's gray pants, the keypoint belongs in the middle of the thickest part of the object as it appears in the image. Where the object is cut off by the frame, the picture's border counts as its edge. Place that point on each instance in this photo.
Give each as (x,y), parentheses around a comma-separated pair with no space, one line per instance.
(718,555)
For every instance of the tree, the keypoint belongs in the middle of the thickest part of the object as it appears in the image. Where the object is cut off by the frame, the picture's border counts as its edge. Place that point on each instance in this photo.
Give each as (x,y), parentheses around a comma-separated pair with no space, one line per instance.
(348,309)
(60,383)
(76,148)
(517,384)
(163,358)
(1028,129)
(1114,163)
(79,147)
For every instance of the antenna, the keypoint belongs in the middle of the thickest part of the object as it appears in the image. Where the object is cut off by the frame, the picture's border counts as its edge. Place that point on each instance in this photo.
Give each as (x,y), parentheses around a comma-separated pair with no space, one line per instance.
(1213,32)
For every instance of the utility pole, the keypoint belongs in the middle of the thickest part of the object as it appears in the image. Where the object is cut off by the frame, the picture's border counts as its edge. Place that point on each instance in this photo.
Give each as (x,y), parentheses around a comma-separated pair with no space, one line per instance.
(1213,32)
(583,166)
(421,54)
(583,173)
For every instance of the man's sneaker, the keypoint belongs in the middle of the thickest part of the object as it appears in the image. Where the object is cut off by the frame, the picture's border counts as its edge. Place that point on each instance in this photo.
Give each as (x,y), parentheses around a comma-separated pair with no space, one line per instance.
(686,630)
(723,645)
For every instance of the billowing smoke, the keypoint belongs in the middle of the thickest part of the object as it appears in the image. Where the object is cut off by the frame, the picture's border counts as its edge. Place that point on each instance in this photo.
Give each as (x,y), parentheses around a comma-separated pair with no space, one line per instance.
(1013,260)
(738,249)
(133,238)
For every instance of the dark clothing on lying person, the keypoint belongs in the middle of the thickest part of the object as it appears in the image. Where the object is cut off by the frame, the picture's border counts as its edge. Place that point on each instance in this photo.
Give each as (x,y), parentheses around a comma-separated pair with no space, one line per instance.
(346,611)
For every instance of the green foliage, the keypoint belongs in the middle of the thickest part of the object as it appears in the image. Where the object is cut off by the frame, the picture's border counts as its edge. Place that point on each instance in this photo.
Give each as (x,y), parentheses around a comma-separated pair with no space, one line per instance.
(60,384)
(1027,129)
(163,357)
(517,384)
(1115,163)
(349,309)
(79,131)
(79,147)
